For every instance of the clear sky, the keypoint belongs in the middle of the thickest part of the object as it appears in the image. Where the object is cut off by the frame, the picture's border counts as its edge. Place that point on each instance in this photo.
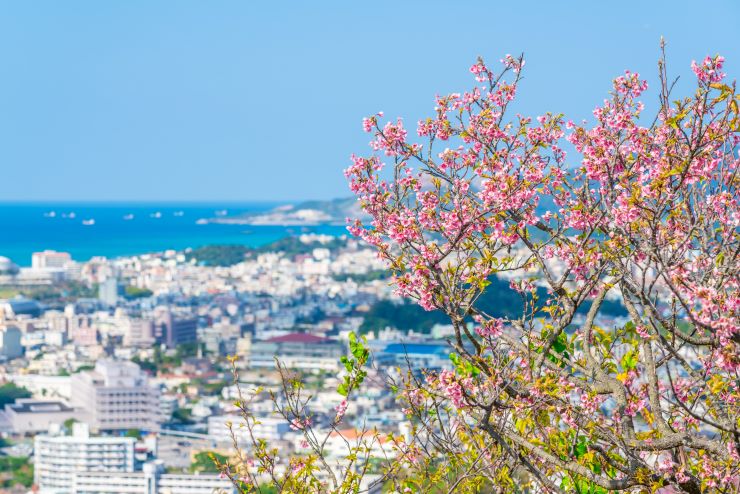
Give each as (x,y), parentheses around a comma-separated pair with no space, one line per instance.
(246,100)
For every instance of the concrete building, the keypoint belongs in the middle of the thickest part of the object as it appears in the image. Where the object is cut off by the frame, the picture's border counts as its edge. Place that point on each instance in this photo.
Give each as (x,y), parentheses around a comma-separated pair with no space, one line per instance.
(30,416)
(177,331)
(32,277)
(58,459)
(167,406)
(10,342)
(109,291)
(297,351)
(50,259)
(417,355)
(213,340)
(117,396)
(82,331)
(151,480)
(139,333)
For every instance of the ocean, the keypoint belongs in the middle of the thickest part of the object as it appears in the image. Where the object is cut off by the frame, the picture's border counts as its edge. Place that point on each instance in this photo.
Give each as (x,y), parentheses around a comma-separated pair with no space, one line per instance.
(119,229)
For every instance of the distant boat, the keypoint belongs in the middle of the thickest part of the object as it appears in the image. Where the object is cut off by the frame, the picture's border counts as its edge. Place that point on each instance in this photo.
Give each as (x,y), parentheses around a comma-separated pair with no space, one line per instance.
(128,217)
(156,215)
(69,215)
(222,212)
(89,222)
(202,221)
(179,213)
(50,214)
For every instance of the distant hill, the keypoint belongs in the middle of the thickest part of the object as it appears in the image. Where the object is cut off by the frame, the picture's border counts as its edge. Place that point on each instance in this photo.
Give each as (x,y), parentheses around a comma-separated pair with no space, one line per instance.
(337,208)
(333,212)
(311,213)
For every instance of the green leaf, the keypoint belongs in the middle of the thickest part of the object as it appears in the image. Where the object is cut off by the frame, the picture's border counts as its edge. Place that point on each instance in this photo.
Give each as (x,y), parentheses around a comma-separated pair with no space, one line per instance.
(342,389)
(629,360)
(560,343)
(580,448)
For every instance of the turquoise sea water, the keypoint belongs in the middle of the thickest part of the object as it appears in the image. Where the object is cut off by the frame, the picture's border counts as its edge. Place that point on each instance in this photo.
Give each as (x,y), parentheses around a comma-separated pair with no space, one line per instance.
(121,229)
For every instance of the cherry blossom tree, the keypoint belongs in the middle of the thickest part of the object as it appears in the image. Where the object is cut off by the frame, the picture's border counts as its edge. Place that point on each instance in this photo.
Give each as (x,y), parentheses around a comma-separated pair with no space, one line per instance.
(639,210)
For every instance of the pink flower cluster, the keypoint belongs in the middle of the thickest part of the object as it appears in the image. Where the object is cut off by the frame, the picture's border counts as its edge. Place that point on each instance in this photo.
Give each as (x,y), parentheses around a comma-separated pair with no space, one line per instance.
(300,424)
(710,70)
(490,328)
(448,383)
(340,409)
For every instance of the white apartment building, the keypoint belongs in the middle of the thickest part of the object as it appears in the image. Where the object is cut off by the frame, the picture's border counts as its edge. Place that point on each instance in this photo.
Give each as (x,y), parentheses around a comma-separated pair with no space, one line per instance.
(117,396)
(49,266)
(58,459)
(80,464)
(152,480)
(50,259)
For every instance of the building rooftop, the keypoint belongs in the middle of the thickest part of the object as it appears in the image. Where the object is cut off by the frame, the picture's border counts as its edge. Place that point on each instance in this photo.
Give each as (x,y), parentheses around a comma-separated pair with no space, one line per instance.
(113,374)
(298,338)
(34,406)
(21,305)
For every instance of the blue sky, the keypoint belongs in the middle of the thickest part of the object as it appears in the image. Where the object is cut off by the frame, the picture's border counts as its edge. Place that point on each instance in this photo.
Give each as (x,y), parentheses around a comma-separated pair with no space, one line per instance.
(246,100)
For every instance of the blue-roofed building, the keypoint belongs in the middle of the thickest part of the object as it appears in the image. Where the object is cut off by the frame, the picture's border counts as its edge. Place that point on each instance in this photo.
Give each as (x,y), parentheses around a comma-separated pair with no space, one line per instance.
(417,355)
(20,306)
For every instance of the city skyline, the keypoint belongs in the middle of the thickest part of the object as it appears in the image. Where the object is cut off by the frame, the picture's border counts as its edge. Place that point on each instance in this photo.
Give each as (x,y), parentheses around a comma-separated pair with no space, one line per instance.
(181,101)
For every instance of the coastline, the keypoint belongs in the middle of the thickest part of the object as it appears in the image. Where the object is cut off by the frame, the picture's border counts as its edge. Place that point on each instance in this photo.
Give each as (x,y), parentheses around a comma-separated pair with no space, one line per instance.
(125,229)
